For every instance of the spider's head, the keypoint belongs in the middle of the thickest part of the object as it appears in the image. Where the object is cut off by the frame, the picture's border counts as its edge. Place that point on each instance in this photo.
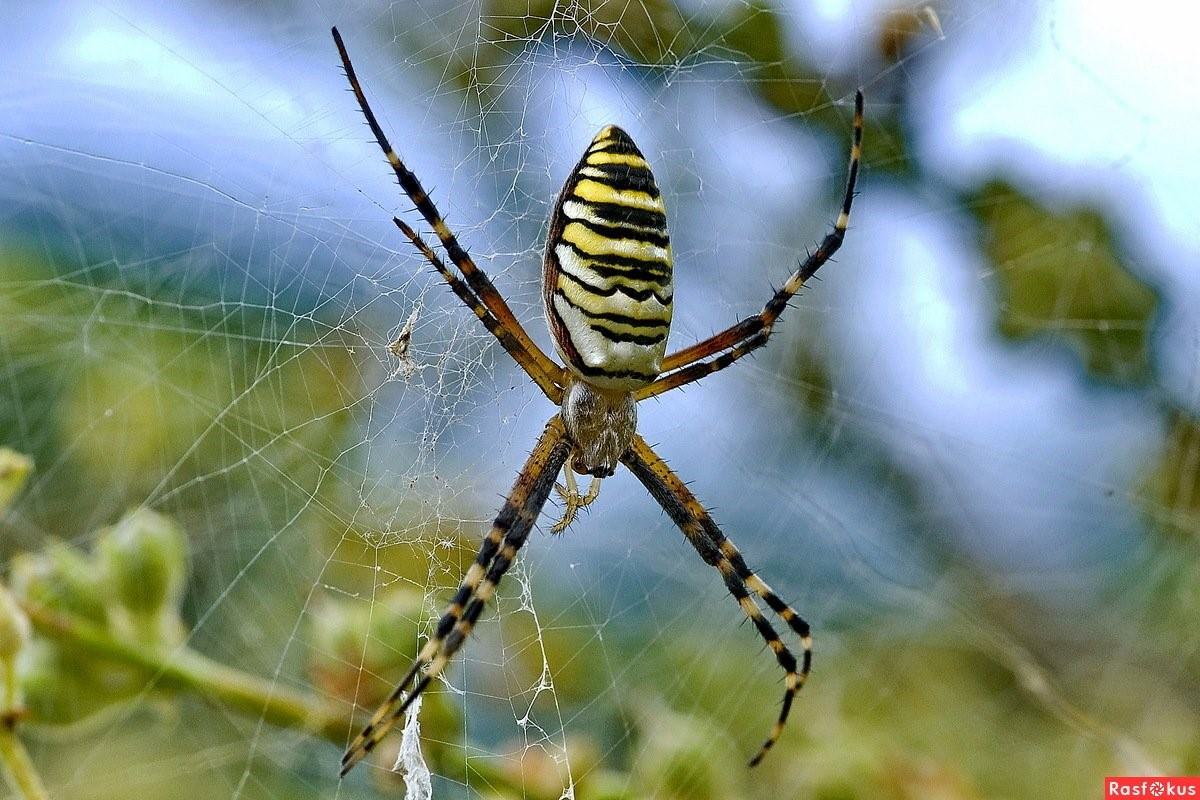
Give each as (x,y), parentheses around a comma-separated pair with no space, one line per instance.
(601,424)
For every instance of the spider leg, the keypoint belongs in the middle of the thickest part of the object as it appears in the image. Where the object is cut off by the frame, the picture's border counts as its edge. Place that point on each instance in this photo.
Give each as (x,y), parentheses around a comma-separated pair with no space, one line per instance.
(718,551)
(685,366)
(496,554)
(523,349)
(464,293)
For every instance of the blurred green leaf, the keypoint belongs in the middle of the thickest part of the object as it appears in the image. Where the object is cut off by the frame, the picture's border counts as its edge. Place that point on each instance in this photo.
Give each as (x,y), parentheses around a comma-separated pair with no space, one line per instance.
(14,471)
(684,756)
(1060,275)
(14,638)
(145,557)
(63,578)
(754,31)
(650,32)
(1171,493)
(237,418)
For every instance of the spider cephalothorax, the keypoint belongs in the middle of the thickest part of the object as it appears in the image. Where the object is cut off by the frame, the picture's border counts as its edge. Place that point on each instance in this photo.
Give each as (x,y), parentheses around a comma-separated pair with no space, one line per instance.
(608,295)
(601,424)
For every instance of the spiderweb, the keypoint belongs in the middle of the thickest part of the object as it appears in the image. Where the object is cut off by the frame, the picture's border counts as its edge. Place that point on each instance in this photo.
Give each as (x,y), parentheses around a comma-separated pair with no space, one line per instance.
(968,455)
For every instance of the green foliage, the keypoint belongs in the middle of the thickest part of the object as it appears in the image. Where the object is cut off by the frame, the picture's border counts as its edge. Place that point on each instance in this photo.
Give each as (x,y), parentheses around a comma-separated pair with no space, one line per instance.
(358,649)
(143,558)
(61,688)
(684,756)
(382,635)
(236,426)
(14,627)
(1061,275)
(14,470)
(1169,497)
(1171,494)
(755,31)
(129,587)
(153,398)
(62,578)
(14,638)
(658,36)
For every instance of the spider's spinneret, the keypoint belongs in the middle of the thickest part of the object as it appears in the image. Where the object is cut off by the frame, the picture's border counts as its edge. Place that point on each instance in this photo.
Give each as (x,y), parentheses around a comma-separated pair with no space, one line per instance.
(607,274)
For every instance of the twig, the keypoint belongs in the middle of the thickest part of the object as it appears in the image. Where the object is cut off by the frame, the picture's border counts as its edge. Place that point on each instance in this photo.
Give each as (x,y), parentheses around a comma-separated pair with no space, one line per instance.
(187,670)
(17,764)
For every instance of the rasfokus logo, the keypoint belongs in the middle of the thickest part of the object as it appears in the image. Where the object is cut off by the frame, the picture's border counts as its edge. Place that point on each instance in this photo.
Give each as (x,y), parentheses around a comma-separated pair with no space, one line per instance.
(1156,786)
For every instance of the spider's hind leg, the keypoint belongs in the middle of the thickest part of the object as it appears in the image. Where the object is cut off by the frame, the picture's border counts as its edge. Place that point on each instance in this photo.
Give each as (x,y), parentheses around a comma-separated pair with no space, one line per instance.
(508,533)
(717,550)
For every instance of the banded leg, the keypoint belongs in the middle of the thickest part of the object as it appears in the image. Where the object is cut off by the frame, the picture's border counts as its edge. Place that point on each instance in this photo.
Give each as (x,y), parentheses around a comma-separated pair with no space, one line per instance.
(496,554)
(717,550)
(461,290)
(685,366)
(524,350)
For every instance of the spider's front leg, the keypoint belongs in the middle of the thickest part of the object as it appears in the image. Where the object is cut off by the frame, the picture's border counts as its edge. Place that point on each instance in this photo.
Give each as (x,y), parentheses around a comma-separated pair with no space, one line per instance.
(722,349)
(478,292)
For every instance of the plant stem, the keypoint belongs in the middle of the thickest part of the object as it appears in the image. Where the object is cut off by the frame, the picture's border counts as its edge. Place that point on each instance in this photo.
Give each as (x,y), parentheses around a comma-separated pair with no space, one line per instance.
(8,694)
(17,764)
(184,669)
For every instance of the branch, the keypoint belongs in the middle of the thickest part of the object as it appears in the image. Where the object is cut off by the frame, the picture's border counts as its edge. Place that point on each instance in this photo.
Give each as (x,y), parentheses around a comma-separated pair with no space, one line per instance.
(17,764)
(187,670)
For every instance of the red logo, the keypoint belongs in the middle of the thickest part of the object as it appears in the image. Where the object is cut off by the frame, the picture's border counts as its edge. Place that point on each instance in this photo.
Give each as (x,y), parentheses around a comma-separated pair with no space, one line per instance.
(1151,787)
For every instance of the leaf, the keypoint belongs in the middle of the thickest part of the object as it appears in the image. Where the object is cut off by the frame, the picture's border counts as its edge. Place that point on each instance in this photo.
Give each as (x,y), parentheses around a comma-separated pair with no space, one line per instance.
(1061,275)
(1171,495)
(14,471)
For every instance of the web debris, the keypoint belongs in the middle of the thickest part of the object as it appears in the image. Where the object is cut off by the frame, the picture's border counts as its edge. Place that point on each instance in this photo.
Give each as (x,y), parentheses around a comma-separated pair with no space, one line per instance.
(406,365)
(418,783)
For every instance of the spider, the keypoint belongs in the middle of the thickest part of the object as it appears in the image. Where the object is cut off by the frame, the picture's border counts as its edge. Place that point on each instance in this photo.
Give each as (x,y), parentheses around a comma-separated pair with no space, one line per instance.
(607,290)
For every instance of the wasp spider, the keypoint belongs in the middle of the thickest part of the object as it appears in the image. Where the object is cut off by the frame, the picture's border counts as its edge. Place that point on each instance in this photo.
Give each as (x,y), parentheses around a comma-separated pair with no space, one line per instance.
(606,285)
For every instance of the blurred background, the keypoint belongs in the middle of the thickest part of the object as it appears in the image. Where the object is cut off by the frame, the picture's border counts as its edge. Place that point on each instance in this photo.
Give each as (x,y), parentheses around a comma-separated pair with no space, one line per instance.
(260,440)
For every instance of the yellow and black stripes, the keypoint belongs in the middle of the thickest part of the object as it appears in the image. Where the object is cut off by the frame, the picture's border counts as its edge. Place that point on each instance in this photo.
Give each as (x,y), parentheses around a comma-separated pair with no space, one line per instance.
(607,280)
(717,550)
(586,216)
(508,533)
(608,291)
(687,365)
(539,366)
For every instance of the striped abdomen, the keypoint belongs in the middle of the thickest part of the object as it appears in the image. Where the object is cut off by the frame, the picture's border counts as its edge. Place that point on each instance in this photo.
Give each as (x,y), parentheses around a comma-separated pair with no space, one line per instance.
(607,277)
